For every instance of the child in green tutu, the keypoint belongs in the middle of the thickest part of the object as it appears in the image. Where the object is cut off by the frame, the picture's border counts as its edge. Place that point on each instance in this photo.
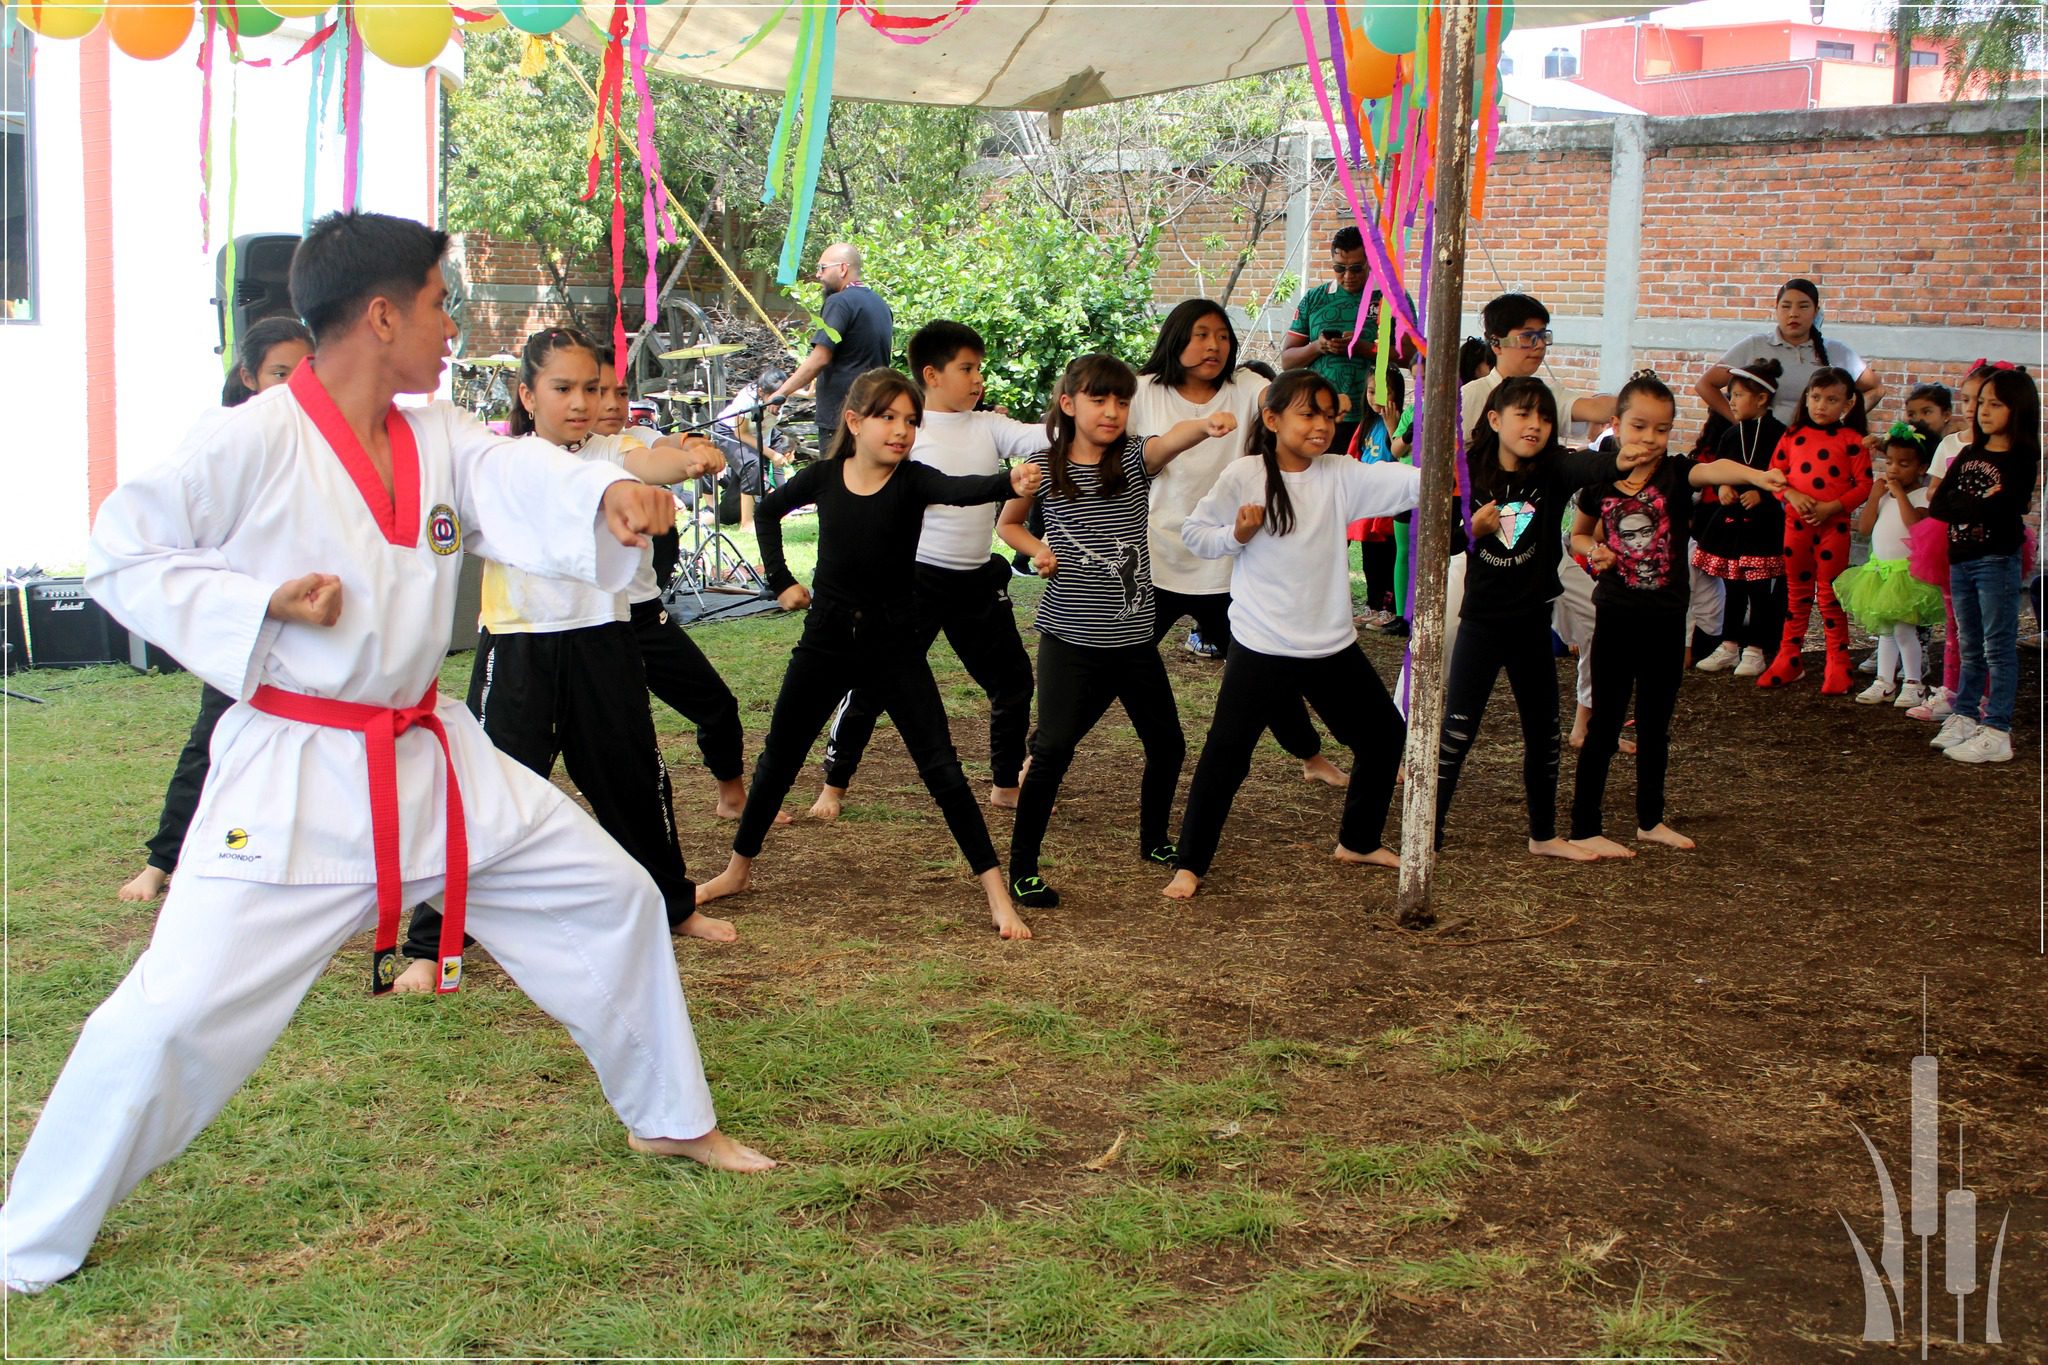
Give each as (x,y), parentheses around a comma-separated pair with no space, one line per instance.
(1881,596)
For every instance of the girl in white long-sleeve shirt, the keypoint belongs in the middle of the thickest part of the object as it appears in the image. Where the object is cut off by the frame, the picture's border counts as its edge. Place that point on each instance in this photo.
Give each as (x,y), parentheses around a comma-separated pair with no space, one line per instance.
(1282,517)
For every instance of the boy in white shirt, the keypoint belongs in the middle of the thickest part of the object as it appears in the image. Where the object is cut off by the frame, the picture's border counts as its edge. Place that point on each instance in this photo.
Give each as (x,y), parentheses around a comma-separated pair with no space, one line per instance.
(963,587)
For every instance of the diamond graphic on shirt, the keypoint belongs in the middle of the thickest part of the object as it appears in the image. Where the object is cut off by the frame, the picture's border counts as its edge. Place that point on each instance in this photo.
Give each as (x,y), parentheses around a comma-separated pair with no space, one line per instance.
(1514,519)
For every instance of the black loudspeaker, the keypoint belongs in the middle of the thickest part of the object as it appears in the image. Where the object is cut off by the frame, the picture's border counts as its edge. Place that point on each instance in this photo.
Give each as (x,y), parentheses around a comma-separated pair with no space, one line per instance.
(67,629)
(13,631)
(263,264)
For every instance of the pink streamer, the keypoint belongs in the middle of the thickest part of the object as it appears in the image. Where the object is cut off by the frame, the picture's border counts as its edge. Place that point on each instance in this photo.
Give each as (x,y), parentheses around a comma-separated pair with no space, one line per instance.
(351,114)
(916,30)
(1376,251)
(206,133)
(655,225)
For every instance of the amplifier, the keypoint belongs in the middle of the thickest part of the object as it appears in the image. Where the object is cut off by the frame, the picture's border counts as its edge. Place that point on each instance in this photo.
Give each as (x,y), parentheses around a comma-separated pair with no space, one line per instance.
(68,629)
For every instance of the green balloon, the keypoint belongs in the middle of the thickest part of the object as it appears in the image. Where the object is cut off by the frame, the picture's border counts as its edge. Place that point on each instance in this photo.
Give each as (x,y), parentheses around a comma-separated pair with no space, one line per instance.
(538,17)
(247,19)
(1391,29)
(1479,89)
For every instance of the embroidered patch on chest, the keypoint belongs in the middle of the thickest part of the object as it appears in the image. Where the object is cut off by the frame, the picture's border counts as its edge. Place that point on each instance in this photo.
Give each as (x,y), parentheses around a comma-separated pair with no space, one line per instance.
(1514,519)
(444,532)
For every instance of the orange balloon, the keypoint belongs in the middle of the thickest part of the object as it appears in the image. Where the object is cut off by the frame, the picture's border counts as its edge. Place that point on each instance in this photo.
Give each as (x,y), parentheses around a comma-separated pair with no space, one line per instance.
(1371,72)
(150,30)
(54,20)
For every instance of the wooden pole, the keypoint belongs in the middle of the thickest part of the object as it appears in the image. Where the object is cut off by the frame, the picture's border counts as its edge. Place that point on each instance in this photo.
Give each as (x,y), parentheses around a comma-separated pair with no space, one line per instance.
(1458,56)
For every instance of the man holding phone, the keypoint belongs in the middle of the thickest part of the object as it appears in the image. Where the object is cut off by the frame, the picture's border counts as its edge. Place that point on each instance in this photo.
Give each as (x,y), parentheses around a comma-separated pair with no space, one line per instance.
(1320,335)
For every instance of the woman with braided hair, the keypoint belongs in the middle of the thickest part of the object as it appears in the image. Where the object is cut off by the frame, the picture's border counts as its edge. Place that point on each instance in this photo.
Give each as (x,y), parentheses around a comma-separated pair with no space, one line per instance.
(1800,349)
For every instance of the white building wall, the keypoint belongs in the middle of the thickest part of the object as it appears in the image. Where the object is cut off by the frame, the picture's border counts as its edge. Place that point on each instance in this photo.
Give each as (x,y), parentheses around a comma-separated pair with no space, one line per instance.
(167,372)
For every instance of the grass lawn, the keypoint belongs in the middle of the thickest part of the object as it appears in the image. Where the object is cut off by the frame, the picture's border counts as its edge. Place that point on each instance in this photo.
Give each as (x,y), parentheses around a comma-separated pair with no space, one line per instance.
(1587,1118)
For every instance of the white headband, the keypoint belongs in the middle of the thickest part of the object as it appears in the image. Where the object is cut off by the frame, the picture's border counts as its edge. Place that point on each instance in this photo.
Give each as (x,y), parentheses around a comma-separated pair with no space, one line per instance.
(1766,385)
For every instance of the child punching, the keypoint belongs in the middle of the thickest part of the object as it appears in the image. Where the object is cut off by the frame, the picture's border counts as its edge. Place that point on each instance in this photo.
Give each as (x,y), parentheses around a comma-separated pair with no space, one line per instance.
(1281,519)
(862,633)
(1881,595)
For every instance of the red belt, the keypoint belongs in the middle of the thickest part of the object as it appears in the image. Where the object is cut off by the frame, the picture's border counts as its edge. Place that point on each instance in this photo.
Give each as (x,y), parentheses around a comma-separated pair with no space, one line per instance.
(380,727)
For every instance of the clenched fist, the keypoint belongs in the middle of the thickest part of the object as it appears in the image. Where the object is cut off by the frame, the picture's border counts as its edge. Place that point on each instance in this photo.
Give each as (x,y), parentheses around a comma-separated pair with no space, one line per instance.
(1250,518)
(633,512)
(1221,423)
(314,600)
(1025,479)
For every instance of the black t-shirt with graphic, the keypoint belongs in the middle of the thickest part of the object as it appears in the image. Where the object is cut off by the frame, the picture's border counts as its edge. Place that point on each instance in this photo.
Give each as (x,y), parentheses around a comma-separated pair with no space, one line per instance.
(1650,531)
(1984,498)
(1101,594)
(1513,571)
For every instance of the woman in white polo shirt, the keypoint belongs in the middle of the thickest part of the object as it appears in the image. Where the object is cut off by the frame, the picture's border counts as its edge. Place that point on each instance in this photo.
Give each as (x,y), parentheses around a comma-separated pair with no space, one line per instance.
(1798,346)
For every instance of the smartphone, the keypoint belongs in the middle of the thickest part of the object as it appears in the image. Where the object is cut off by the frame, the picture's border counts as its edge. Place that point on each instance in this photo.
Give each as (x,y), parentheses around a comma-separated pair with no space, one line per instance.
(1332,334)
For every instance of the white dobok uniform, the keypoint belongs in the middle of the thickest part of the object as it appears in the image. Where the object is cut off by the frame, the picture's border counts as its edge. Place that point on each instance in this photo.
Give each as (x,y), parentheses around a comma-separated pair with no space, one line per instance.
(279,868)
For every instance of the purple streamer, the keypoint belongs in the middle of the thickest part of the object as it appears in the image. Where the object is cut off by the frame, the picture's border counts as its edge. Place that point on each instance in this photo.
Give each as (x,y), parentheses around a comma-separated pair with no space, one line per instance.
(1344,101)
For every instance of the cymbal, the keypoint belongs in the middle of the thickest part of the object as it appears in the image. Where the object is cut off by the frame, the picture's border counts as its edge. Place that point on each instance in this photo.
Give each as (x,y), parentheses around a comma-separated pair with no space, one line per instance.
(679,396)
(703,352)
(500,361)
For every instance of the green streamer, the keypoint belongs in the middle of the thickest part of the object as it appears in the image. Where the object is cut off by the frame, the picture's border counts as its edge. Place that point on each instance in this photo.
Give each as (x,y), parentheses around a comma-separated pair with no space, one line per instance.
(227,346)
(787,118)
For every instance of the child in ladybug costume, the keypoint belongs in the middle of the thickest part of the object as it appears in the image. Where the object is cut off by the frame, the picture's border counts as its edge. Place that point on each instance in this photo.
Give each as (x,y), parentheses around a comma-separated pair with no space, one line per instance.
(1827,477)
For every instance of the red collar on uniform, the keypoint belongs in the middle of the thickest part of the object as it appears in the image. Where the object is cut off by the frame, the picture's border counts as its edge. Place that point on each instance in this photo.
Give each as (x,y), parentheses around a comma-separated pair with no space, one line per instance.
(399,518)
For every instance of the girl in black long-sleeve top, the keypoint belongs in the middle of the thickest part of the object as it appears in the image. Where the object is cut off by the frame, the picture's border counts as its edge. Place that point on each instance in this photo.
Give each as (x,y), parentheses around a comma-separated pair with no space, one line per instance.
(860,633)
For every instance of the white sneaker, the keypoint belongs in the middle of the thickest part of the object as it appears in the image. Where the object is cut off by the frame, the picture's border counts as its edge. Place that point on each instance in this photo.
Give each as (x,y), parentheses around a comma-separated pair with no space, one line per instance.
(1721,660)
(1941,705)
(1879,691)
(1985,746)
(1753,663)
(1869,665)
(1953,731)
(1912,694)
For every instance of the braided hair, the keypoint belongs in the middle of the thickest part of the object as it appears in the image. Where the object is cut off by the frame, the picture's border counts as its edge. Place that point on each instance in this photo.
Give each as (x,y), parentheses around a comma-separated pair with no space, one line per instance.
(1858,417)
(533,358)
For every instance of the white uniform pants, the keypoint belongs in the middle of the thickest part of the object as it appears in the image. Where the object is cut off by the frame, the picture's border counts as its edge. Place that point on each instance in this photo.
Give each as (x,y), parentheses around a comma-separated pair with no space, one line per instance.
(1708,605)
(568,915)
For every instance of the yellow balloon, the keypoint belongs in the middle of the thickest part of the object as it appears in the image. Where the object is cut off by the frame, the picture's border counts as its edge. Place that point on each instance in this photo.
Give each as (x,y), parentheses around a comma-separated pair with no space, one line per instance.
(404,32)
(298,9)
(58,21)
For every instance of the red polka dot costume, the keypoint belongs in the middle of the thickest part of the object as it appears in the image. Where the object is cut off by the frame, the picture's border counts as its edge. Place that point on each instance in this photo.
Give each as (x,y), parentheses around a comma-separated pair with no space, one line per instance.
(1828,464)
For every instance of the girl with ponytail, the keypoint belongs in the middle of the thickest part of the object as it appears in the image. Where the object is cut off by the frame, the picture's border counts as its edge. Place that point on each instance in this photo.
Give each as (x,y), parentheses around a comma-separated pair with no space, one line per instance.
(1282,517)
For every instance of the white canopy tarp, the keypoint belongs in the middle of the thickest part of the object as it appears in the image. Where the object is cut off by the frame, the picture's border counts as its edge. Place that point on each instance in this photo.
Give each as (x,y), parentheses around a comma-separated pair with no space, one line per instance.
(1008,54)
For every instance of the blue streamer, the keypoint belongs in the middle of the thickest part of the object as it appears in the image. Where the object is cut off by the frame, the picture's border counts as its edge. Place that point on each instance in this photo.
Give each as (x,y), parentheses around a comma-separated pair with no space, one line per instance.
(816,118)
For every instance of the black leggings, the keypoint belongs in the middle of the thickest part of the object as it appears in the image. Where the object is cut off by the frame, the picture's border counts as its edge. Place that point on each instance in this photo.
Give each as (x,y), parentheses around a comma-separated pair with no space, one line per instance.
(973,607)
(1211,612)
(843,649)
(1352,701)
(1076,684)
(1755,615)
(1521,645)
(188,779)
(1378,558)
(681,676)
(1641,651)
(580,695)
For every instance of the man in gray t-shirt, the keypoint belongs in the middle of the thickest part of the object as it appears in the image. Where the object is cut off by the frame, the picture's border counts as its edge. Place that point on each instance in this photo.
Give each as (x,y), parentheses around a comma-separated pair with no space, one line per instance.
(866,337)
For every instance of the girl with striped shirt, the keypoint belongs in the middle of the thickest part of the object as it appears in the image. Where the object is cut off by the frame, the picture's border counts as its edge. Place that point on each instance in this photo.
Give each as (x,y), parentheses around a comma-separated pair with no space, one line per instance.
(1095,621)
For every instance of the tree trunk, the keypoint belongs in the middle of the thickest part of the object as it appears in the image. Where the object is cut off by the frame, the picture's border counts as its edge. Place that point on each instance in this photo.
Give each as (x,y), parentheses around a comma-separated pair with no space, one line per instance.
(1902,53)
(1452,96)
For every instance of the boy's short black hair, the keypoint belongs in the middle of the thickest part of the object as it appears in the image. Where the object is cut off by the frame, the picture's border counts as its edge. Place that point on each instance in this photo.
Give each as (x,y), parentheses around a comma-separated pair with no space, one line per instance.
(347,259)
(1506,312)
(1348,239)
(938,343)
(1261,369)
(1936,394)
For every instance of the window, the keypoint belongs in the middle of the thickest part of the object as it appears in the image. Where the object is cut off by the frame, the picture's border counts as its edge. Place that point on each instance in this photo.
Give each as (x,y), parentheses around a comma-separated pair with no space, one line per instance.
(1926,58)
(1882,55)
(17,183)
(1835,52)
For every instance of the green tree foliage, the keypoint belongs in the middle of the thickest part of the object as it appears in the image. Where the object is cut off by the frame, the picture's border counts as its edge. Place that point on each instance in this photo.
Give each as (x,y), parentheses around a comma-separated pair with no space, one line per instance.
(1039,288)
(1990,43)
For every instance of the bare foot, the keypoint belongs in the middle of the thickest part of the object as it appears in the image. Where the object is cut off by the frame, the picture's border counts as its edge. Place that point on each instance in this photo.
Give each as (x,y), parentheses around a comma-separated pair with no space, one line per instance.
(826,807)
(1001,911)
(145,885)
(1562,848)
(732,810)
(1379,857)
(1578,736)
(1004,798)
(419,978)
(737,877)
(701,925)
(1320,769)
(1665,835)
(1625,745)
(1597,846)
(714,1149)
(1182,887)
